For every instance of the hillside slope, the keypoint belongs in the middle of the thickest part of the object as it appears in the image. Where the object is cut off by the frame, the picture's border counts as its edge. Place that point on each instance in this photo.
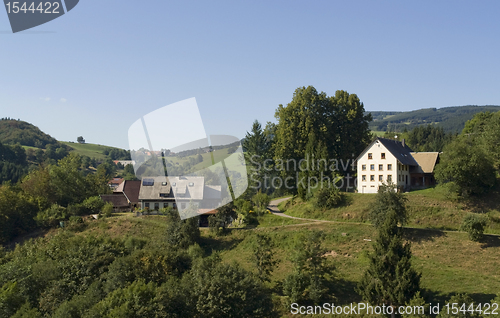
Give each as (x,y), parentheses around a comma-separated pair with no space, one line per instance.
(452,119)
(18,131)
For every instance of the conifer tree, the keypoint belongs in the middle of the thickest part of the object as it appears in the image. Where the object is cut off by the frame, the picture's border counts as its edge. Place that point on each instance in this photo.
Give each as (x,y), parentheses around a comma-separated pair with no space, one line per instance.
(390,279)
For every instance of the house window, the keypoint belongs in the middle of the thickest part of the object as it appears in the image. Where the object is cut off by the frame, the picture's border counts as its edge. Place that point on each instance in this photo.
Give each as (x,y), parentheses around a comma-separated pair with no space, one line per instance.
(382,155)
(372,167)
(380,167)
(147,182)
(389,178)
(165,205)
(146,205)
(163,195)
(380,178)
(389,167)
(174,206)
(372,177)
(399,177)
(363,177)
(370,156)
(363,167)
(164,183)
(157,206)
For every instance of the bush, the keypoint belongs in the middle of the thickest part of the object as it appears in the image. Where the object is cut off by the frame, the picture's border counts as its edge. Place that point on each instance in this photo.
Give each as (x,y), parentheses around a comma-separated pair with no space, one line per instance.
(107,209)
(460,299)
(261,201)
(51,216)
(93,205)
(328,198)
(474,225)
(388,200)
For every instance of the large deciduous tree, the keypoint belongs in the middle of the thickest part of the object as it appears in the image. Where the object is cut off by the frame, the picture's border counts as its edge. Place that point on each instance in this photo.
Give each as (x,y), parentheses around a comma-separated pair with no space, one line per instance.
(338,121)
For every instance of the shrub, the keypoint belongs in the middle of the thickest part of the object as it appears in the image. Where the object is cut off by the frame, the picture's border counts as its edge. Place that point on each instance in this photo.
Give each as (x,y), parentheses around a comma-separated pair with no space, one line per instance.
(474,225)
(51,216)
(93,205)
(107,209)
(261,201)
(460,299)
(328,198)
(388,200)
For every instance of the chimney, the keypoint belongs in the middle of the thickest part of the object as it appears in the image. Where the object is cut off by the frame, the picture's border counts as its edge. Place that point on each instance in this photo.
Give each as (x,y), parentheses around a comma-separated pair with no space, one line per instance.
(403,143)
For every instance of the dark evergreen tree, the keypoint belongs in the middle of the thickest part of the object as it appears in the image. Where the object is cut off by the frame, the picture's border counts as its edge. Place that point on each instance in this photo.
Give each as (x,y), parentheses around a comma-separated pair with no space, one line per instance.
(390,278)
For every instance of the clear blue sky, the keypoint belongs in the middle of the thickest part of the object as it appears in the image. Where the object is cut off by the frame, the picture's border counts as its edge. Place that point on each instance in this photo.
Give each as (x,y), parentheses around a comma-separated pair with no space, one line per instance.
(106,63)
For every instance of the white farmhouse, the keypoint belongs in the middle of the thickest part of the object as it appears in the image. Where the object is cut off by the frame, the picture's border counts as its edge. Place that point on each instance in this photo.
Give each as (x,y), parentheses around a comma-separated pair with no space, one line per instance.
(391,161)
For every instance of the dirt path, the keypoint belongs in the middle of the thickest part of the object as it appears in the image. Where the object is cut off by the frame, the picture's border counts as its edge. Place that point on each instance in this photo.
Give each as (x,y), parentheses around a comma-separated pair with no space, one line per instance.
(273,207)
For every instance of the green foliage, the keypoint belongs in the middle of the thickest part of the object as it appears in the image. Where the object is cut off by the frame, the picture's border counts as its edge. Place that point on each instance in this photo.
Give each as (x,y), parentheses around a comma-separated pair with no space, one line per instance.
(466,165)
(80,140)
(390,279)
(10,299)
(261,201)
(263,257)
(474,225)
(452,119)
(338,121)
(17,131)
(257,147)
(222,218)
(308,280)
(388,202)
(107,209)
(51,216)
(16,213)
(417,302)
(134,301)
(13,163)
(93,205)
(328,198)
(460,300)
(181,233)
(223,290)
(427,138)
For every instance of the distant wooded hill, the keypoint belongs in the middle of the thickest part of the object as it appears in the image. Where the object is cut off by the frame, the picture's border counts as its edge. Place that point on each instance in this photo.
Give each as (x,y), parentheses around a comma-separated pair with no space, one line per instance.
(452,119)
(23,133)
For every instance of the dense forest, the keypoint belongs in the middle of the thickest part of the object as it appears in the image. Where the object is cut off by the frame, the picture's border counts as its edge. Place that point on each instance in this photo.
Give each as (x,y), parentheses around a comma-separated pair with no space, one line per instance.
(451,119)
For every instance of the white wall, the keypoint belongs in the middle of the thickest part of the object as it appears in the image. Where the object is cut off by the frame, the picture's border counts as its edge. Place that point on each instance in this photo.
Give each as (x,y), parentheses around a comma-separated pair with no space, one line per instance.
(376,151)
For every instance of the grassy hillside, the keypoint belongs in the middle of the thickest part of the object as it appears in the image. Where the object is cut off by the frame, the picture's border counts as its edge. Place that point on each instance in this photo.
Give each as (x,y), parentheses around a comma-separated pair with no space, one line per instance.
(90,150)
(429,208)
(452,119)
(449,262)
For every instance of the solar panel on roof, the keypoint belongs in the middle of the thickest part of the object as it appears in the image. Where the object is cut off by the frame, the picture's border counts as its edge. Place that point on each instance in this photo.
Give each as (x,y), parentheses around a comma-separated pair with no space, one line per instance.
(148,182)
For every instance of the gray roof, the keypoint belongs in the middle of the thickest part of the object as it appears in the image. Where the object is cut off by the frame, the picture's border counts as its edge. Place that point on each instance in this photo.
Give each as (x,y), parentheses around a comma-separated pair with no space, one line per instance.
(402,153)
(189,188)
